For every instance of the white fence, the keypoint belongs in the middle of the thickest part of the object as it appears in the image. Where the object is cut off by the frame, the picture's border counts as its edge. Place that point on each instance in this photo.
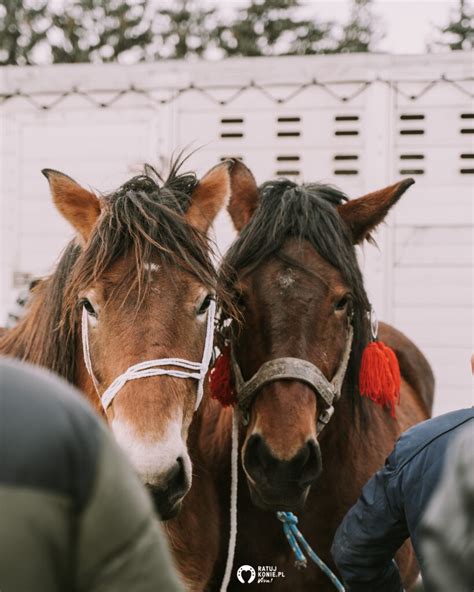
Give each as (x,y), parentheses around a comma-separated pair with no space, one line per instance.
(357,121)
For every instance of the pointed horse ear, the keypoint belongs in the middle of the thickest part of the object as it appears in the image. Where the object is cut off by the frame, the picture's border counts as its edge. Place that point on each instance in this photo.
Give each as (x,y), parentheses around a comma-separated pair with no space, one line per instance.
(362,215)
(80,207)
(223,184)
(244,197)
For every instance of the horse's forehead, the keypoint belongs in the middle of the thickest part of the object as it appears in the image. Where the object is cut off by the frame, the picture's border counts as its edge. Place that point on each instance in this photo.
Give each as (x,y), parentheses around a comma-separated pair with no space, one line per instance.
(303,252)
(298,266)
(124,270)
(165,286)
(286,278)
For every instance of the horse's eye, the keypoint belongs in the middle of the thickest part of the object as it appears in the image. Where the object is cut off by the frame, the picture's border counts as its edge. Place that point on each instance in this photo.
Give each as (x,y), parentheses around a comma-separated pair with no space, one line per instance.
(342,303)
(89,308)
(205,305)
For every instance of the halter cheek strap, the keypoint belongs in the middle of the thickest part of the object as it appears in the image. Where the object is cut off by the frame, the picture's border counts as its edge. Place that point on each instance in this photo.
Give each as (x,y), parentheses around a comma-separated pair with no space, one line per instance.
(195,370)
(294,369)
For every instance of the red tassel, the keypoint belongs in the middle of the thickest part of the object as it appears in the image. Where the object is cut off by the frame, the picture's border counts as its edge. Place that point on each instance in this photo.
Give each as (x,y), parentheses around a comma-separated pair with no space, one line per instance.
(220,380)
(379,377)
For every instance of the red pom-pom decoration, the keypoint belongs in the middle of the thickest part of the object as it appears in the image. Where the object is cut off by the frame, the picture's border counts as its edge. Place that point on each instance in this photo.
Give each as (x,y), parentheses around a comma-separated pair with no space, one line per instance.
(379,377)
(220,380)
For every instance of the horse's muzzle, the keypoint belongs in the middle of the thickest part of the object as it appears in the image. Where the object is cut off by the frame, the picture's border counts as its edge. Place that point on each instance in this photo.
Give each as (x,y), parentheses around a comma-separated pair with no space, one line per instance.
(276,484)
(168,496)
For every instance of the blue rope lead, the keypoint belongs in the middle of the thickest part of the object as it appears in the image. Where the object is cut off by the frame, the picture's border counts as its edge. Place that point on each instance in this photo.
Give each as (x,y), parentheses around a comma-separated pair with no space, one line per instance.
(295,539)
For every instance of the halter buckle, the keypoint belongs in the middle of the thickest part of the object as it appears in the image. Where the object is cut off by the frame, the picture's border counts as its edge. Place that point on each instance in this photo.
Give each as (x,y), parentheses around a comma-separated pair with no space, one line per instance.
(326,415)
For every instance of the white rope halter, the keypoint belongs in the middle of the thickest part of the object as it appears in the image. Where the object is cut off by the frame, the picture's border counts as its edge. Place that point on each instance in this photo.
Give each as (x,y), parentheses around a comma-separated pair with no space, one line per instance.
(196,370)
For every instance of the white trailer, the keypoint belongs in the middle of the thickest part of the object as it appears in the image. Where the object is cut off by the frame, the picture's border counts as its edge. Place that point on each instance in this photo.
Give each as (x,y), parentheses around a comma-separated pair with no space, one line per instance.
(357,121)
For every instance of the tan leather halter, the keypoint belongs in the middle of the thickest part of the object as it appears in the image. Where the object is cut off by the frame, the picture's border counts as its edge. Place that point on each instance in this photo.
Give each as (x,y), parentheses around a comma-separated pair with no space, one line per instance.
(293,369)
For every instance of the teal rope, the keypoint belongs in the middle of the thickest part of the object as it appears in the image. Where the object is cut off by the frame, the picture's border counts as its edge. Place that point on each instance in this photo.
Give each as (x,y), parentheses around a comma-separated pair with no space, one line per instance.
(295,539)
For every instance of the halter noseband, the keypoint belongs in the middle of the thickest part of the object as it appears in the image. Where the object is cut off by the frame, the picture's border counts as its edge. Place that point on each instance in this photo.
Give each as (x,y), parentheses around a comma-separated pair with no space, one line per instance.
(196,370)
(293,369)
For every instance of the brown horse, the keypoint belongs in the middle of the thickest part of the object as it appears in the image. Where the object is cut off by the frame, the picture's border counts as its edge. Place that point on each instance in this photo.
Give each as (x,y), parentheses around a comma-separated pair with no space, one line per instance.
(294,274)
(140,275)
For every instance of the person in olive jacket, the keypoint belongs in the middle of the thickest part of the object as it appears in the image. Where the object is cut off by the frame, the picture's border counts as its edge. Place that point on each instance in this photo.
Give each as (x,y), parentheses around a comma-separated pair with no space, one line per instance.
(73,514)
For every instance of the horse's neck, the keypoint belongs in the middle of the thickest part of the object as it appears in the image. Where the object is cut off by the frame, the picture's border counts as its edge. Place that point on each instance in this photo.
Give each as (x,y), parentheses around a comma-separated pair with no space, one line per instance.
(354,446)
(346,429)
(31,339)
(18,341)
(43,336)
(201,431)
(216,435)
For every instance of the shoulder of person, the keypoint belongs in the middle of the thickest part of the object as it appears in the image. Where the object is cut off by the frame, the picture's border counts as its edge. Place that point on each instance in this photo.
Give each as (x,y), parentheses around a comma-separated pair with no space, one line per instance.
(54,437)
(439,431)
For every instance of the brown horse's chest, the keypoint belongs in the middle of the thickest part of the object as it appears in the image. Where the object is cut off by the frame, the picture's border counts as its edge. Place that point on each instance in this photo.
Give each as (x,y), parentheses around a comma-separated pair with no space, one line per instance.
(261,541)
(348,463)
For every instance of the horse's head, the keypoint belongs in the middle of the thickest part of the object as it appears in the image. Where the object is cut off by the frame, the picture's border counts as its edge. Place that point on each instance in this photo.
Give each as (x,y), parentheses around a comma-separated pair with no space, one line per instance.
(294,272)
(141,286)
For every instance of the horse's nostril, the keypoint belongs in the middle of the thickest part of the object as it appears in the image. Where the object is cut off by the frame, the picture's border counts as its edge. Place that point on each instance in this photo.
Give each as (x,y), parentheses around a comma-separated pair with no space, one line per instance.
(258,454)
(172,488)
(301,459)
(312,466)
(176,479)
(174,471)
(260,464)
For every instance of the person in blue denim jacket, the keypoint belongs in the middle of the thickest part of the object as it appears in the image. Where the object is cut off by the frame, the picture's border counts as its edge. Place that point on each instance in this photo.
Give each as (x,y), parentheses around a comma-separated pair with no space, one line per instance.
(392,506)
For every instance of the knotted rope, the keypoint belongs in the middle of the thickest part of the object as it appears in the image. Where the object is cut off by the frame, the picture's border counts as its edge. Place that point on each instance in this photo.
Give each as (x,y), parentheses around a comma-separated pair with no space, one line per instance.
(297,540)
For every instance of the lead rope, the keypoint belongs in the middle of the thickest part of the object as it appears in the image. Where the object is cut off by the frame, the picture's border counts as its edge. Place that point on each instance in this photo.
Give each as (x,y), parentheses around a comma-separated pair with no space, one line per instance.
(196,370)
(294,537)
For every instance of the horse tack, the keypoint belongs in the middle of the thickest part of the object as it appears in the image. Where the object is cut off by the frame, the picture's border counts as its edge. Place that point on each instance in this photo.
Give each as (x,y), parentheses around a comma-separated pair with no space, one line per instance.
(281,369)
(293,369)
(196,370)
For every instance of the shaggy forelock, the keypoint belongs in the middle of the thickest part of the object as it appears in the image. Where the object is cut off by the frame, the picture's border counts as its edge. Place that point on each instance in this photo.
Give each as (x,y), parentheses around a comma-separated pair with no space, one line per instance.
(145,219)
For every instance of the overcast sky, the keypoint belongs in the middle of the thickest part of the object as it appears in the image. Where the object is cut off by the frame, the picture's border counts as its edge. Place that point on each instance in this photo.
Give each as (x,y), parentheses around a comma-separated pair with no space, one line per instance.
(408,24)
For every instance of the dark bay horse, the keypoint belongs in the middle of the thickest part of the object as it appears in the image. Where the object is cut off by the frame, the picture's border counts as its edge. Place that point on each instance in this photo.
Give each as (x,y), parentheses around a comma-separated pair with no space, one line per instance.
(138,280)
(295,277)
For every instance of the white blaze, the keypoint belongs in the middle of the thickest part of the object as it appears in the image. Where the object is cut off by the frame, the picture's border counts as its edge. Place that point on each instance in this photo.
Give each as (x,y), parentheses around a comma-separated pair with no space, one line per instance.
(152,266)
(152,459)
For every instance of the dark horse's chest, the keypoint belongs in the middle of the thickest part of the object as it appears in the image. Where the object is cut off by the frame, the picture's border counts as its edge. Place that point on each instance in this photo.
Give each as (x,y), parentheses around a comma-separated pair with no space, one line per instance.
(262,544)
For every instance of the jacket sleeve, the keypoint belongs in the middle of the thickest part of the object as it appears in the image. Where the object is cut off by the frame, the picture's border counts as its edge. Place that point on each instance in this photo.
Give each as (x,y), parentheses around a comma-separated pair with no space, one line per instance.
(121,546)
(370,534)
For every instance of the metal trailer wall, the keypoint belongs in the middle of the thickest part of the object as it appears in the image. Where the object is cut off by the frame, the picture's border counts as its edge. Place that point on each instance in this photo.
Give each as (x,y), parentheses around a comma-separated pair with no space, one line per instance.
(357,121)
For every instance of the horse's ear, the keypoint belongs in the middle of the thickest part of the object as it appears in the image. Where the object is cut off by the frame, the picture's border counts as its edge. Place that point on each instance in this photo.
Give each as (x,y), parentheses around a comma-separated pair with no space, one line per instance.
(244,197)
(222,185)
(362,215)
(80,207)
